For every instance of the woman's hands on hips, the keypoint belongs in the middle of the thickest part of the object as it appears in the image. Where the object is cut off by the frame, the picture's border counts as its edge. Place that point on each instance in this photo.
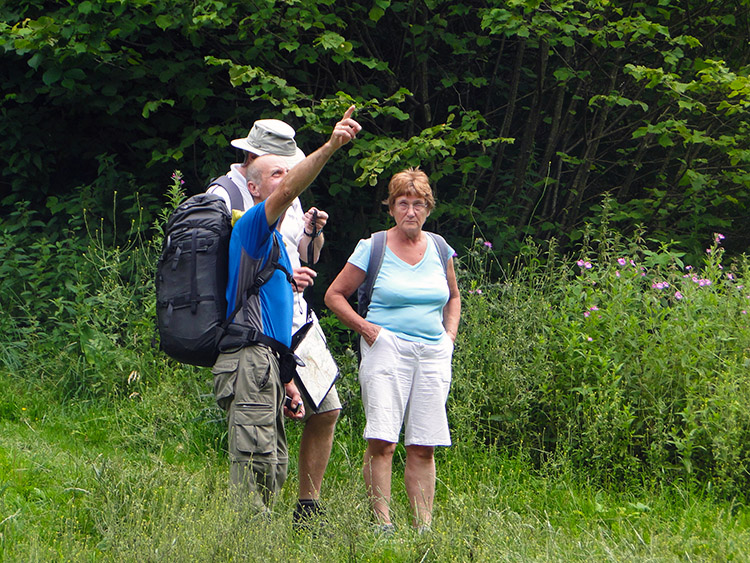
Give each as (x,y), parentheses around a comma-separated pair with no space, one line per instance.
(370,333)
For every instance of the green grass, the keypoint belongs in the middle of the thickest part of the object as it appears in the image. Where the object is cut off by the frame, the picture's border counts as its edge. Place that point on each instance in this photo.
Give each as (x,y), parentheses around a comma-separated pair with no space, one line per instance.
(118,480)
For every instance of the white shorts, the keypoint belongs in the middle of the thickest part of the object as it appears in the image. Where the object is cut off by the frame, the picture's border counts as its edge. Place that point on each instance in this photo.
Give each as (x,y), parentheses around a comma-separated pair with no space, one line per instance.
(406,383)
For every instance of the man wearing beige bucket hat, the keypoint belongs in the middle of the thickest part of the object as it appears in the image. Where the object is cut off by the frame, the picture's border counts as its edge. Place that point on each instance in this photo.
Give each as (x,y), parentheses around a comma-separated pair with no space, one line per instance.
(275,137)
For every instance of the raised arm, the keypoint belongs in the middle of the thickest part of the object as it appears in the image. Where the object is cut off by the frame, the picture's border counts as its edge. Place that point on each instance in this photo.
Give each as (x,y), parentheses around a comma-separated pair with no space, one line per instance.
(302,175)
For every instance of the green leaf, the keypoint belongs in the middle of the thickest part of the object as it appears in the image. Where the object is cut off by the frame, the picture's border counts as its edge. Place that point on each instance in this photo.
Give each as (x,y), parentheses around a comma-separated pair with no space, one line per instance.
(163,21)
(376,13)
(289,45)
(75,74)
(665,140)
(563,74)
(35,60)
(52,75)
(484,161)
(330,40)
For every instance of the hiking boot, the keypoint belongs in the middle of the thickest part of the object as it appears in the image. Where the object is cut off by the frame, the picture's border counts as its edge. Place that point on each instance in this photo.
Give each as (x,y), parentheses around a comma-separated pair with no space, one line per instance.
(384,530)
(307,512)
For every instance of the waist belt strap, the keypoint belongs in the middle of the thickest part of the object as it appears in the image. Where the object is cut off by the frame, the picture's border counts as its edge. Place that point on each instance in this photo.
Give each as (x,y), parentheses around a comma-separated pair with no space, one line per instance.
(240,336)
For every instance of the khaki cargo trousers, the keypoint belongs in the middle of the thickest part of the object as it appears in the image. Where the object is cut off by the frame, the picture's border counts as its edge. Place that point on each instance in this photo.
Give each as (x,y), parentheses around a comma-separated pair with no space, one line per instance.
(247,385)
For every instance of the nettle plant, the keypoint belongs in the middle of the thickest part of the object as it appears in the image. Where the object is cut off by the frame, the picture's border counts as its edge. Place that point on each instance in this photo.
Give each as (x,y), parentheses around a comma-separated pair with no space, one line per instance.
(622,360)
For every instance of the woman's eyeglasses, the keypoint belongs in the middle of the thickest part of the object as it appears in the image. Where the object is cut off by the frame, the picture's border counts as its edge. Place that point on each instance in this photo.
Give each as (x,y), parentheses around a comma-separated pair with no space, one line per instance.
(405,205)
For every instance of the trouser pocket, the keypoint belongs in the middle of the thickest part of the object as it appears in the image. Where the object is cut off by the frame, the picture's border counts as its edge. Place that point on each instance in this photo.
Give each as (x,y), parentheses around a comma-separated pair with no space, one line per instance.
(253,431)
(225,377)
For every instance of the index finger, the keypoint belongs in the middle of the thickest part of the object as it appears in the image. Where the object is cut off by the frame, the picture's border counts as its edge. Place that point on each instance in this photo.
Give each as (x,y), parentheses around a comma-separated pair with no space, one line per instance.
(349,112)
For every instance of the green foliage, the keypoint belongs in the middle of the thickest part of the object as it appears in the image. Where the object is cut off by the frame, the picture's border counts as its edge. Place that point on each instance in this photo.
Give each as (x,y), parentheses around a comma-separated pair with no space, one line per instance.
(626,362)
(522,115)
(78,313)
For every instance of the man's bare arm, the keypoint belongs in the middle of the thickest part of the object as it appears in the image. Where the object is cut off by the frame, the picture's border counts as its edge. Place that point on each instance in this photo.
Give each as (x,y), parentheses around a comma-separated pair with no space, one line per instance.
(302,175)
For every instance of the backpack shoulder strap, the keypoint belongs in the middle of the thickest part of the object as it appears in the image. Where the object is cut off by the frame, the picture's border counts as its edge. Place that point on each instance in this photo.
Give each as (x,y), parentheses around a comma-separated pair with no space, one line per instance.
(235,197)
(377,252)
(444,251)
(271,265)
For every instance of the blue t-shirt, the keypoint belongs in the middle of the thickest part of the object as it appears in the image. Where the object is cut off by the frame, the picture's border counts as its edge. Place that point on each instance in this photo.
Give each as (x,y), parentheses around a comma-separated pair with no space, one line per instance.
(249,247)
(407,300)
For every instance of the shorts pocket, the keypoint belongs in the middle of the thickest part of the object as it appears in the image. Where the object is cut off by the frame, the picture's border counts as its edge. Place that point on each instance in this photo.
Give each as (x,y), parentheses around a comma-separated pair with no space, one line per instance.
(225,377)
(450,345)
(254,429)
(365,347)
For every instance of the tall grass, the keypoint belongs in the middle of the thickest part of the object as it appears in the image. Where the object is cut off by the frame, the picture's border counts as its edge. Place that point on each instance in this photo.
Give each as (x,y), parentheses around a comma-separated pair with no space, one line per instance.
(596,415)
(73,499)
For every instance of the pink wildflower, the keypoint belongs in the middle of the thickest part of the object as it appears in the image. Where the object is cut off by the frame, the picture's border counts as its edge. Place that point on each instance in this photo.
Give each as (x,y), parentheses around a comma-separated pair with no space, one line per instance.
(621,261)
(677,294)
(488,244)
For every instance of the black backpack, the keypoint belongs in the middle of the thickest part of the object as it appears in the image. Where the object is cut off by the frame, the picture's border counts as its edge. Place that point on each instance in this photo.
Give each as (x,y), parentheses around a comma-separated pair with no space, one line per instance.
(191,280)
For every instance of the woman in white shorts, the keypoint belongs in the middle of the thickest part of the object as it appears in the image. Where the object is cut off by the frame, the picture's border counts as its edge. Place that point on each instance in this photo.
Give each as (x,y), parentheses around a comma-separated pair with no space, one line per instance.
(406,345)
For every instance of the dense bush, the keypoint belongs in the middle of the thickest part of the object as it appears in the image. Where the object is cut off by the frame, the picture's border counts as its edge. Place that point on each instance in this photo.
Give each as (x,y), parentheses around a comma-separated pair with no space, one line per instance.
(76,309)
(523,113)
(625,361)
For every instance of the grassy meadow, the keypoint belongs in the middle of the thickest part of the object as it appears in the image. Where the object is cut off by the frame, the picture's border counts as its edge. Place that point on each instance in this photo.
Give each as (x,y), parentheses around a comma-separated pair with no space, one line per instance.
(600,411)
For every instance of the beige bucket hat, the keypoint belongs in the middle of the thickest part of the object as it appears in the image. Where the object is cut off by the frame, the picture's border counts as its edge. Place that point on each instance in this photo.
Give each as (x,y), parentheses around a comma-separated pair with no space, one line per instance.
(272,136)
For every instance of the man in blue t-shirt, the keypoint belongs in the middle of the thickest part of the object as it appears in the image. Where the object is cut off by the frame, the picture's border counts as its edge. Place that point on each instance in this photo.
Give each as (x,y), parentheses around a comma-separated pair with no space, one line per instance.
(247,381)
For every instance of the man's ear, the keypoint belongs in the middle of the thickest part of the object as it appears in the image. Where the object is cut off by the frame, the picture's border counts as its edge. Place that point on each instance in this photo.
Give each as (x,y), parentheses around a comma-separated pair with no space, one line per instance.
(253,189)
